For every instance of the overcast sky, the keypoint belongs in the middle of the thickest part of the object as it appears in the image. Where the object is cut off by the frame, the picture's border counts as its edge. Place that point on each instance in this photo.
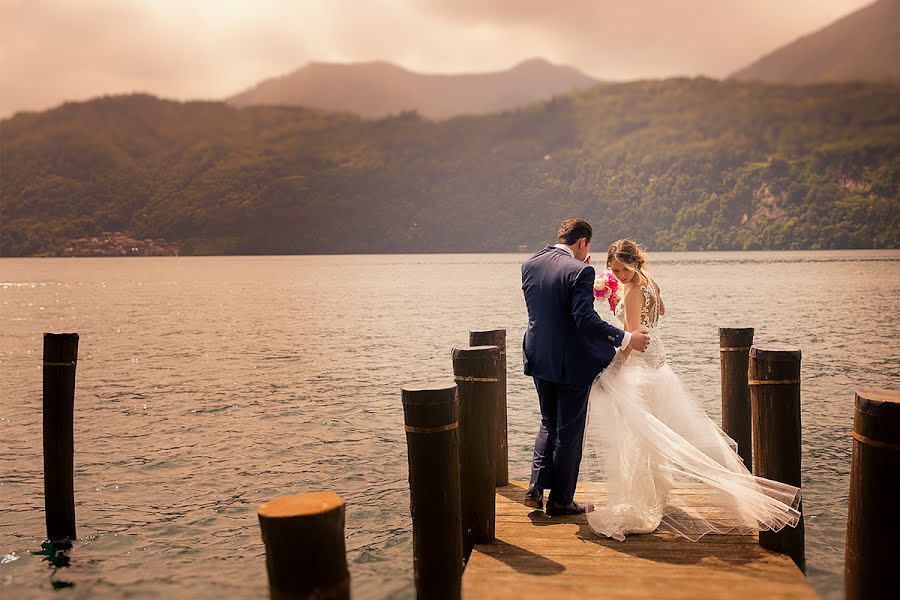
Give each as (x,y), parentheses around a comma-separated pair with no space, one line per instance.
(56,50)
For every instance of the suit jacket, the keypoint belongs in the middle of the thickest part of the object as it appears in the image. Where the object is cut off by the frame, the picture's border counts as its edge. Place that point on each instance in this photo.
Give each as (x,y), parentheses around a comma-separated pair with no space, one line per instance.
(566,340)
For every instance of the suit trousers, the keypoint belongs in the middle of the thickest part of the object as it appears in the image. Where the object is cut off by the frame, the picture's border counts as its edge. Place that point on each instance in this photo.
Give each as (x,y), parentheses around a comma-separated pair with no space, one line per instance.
(560,440)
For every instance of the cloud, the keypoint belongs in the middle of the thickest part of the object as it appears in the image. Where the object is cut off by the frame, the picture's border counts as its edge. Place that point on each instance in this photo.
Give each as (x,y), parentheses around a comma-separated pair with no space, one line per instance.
(620,39)
(56,50)
(63,49)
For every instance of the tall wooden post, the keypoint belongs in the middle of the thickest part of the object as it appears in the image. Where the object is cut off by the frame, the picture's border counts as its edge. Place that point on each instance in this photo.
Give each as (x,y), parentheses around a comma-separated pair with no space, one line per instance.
(305,553)
(497,337)
(431,413)
(734,353)
(477,373)
(775,401)
(873,521)
(60,359)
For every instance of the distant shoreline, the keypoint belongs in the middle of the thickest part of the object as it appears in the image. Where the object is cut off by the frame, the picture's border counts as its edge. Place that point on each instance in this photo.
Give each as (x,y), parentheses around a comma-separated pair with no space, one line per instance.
(460,253)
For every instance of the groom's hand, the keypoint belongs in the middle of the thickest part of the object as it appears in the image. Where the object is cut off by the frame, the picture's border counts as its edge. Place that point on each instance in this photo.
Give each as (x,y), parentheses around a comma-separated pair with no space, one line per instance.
(639,339)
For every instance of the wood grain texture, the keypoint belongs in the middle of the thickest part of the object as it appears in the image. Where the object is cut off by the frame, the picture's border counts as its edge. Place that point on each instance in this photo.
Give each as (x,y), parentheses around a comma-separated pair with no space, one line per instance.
(476,370)
(873,521)
(497,337)
(431,415)
(734,353)
(775,409)
(60,361)
(561,557)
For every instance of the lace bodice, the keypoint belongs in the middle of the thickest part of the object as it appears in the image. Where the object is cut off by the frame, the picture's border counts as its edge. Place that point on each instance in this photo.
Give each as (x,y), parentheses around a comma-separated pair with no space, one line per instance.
(650,309)
(655,354)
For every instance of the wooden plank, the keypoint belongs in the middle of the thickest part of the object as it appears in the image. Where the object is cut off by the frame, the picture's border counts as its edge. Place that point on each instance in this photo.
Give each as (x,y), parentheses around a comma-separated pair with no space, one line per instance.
(562,557)
(608,563)
(514,587)
(561,529)
(682,554)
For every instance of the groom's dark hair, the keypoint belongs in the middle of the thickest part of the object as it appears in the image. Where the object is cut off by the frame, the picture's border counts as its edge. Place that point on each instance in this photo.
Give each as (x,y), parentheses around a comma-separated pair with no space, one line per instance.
(572,230)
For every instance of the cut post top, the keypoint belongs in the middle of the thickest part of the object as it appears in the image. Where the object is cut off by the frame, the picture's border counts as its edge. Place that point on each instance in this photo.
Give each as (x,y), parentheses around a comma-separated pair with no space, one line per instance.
(737,331)
(60,335)
(877,418)
(775,353)
(434,386)
(488,332)
(301,505)
(475,352)
(489,338)
(733,339)
(60,349)
(879,402)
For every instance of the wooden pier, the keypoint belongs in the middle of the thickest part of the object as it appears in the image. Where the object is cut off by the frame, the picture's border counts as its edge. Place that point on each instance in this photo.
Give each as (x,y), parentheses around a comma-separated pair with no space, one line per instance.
(535,555)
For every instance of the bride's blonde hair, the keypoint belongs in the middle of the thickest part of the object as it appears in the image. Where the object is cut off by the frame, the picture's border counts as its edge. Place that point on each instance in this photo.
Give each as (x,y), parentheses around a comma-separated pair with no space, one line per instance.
(630,253)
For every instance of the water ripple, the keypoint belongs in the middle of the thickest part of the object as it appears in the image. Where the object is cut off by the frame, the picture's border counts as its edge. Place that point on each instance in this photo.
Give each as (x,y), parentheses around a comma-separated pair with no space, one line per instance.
(194,406)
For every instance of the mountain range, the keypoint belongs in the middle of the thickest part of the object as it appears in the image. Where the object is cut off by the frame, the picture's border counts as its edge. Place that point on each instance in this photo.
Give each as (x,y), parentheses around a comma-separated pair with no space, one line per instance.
(680,164)
(377,89)
(384,160)
(864,45)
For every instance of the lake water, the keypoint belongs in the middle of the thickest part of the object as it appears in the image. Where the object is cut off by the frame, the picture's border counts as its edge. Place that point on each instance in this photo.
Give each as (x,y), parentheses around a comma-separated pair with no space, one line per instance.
(207,386)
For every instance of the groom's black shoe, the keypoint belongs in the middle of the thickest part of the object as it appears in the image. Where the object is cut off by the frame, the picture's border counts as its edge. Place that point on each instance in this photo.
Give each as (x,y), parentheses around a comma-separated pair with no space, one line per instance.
(572,508)
(534,497)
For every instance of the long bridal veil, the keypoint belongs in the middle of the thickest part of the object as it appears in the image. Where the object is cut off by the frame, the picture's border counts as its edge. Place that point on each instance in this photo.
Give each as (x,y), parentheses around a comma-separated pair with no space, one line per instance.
(666,466)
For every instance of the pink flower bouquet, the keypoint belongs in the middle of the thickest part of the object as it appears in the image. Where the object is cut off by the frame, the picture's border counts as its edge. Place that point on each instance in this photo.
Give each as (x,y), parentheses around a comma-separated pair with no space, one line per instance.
(606,287)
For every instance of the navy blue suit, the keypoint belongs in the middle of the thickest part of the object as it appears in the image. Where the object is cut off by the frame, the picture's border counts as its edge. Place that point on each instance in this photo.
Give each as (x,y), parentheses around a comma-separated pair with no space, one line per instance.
(566,346)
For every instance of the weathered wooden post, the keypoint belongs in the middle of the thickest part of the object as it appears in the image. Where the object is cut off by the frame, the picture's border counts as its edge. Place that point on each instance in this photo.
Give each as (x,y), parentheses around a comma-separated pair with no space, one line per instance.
(775,401)
(497,337)
(431,413)
(734,352)
(873,521)
(477,373)
(305,552)
(60,359)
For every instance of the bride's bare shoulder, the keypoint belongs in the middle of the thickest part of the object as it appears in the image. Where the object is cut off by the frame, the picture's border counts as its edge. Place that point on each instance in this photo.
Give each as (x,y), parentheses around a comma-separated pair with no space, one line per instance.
(634,294)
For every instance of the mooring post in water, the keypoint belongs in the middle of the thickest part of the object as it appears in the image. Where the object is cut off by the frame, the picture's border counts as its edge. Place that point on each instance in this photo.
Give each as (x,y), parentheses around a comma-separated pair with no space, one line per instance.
(431,415)
(774,381)
(477,374)
(873,521)
(305,552)
(497,337)
(734,353)
(60,359)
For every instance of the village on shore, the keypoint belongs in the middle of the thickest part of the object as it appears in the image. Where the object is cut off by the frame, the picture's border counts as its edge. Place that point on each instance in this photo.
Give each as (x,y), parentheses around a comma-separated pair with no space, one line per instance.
(118,244)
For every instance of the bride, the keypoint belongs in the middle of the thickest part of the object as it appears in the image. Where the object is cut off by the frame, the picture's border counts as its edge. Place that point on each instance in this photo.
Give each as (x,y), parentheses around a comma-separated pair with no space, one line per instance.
(656,445)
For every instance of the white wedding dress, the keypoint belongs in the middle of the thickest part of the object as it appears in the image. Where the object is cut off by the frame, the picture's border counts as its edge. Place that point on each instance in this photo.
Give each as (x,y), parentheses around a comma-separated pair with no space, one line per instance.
(665,465)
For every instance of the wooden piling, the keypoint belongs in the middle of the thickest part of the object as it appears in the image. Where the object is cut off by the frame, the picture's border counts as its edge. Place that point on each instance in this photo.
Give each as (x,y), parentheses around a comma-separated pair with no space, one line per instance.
(305,552)
(873,521)
(775,402)
(734,353)
(477,374)
(60,359)
(431,414)
(497,337)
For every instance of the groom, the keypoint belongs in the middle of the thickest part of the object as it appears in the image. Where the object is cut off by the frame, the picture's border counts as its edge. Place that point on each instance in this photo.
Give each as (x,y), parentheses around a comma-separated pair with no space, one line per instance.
(566,346)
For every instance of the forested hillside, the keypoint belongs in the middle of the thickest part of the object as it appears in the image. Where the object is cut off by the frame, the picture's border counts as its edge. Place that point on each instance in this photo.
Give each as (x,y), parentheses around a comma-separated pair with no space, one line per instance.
(677,164)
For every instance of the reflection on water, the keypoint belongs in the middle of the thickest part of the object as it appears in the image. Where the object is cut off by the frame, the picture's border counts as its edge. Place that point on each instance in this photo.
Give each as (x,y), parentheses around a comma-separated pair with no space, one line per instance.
(56,554)
(207,386)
